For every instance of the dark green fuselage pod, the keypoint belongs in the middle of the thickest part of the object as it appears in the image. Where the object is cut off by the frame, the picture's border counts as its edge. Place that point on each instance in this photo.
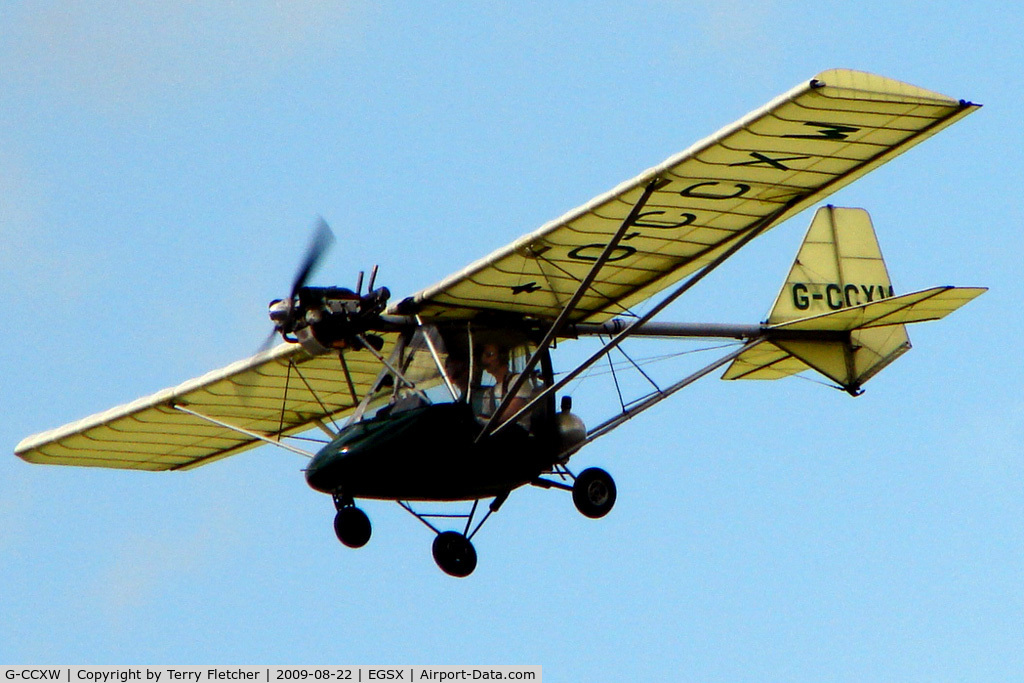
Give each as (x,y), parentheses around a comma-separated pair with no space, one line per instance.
(428,453)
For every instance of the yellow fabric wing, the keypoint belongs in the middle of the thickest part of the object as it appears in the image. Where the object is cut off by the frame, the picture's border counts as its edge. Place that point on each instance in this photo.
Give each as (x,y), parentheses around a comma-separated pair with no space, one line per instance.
(753,174)
(282,392)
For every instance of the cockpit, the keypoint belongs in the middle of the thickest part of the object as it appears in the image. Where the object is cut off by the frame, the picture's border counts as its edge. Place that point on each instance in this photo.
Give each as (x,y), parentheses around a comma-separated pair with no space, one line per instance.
(484,367)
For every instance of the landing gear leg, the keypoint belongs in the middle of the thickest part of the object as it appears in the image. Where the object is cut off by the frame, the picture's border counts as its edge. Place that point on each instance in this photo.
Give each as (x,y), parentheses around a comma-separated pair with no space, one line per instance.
(351,524)
(453,551)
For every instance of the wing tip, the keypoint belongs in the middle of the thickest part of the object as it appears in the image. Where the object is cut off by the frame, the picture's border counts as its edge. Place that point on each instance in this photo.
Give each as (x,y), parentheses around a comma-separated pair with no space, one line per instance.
(863,81)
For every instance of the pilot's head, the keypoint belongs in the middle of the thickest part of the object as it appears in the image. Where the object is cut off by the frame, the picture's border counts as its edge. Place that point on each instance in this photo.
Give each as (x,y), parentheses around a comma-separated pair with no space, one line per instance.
(492,357)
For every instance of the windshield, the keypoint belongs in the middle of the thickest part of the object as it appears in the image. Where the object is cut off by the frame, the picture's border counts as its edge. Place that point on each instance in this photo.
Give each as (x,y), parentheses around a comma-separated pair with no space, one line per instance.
(459,363)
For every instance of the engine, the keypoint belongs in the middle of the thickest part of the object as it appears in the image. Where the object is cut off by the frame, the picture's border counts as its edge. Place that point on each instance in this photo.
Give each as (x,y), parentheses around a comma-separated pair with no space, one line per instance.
(323,319)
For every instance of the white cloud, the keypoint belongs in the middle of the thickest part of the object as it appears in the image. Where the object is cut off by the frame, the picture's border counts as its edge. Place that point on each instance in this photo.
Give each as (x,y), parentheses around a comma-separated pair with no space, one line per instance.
(113,55)
(142,570)
(741,35)
(731,23)
(18,207)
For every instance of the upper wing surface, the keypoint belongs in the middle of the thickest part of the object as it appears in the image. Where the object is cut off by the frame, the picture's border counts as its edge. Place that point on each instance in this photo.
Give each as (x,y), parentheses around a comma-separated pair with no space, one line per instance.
(281,392)
(755,173)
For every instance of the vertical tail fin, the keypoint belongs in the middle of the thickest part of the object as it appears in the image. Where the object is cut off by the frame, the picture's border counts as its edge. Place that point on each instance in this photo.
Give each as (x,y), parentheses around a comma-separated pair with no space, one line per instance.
(839,266)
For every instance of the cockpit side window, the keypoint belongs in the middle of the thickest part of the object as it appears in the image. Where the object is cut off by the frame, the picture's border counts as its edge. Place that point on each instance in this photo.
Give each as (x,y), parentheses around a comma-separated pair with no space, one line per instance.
(501,361)
(460,362)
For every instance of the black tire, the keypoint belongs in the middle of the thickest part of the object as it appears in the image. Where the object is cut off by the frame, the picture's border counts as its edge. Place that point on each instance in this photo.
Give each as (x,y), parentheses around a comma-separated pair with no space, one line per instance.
(352,527)
(454,554)
(593,492)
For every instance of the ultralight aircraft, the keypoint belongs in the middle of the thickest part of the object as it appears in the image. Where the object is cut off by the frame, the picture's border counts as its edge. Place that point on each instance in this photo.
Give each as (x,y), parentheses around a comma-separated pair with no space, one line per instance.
(450,394)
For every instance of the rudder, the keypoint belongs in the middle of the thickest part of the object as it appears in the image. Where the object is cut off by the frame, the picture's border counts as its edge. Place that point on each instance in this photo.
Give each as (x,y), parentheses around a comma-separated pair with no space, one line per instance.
(839,265)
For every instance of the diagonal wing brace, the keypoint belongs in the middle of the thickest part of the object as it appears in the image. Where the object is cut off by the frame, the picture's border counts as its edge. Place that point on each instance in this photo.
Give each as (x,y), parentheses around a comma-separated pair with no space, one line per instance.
(260,437)
(570,306)
(639,323)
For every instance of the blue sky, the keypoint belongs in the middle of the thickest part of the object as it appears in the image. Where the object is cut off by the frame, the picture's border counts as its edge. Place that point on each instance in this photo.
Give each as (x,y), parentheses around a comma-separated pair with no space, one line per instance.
(161,166)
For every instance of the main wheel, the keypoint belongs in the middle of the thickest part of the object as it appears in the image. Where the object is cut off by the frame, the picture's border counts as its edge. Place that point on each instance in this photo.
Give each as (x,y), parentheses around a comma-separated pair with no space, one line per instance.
(352,526)
(454,554)
(594,492)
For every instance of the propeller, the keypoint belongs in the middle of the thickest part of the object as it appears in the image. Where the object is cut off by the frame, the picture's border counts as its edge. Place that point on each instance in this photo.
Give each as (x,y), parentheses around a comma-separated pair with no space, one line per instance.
(323,318)
(323,238)
(284,313)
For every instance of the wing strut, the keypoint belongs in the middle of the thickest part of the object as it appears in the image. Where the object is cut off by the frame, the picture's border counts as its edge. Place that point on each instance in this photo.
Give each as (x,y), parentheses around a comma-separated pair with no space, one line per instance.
(740,242)
(246,432)
(312,392)
(570,306)
(661,395)
(348,378)
(394,371)
(437,362)
(396,355)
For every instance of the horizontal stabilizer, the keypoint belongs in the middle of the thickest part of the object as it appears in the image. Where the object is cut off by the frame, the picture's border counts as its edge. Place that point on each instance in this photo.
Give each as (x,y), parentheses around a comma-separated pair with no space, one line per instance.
(928,304)
(876,338)
(765,361)
(861,326)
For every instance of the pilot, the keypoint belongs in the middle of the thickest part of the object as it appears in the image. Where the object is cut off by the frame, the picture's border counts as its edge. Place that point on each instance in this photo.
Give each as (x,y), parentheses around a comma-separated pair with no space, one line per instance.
(494,360)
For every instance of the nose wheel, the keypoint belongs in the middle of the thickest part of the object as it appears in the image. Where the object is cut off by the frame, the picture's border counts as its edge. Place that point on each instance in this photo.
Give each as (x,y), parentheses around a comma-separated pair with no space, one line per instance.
(351,524)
